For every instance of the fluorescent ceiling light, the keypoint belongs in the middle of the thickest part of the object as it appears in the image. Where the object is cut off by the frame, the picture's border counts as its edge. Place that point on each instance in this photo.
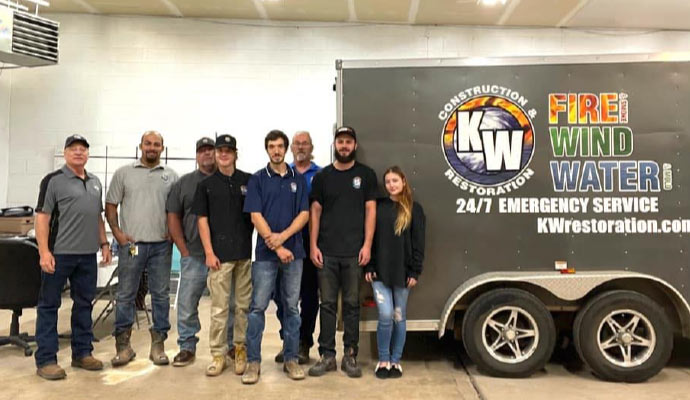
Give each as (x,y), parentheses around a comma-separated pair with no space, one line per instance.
(39,2)
(490,3)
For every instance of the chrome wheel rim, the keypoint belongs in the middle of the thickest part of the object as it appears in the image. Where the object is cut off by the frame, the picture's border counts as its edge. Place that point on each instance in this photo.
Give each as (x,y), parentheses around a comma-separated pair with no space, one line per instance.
(626,338)
(510,334)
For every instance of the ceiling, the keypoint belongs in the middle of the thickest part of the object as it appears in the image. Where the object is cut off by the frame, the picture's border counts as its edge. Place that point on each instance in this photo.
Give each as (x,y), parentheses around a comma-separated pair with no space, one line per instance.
(644,14)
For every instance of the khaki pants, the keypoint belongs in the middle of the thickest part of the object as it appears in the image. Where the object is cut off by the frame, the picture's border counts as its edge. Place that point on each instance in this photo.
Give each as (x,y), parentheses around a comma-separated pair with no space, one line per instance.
(239,274)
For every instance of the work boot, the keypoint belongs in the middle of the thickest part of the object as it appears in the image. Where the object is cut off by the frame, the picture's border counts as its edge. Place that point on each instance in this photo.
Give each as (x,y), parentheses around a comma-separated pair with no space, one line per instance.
(294,371)
(89,363)
(240,359)
(303,354)
(279,358)
(157,353)
(349,364)
(251,375)
(325,364)
(125,354)
(52,372)
(217,366)
(183,358)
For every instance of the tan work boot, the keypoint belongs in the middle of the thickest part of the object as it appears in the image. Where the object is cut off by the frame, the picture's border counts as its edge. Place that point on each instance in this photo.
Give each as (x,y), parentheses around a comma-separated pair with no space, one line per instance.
(251,375)
(52,372)
(89,363)
(240,359)
(294,371)
(125,354)
(157,354)
(217,365)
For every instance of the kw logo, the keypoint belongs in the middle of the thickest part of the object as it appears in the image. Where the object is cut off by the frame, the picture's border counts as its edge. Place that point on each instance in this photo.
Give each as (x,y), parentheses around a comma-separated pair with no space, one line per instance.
(488,140)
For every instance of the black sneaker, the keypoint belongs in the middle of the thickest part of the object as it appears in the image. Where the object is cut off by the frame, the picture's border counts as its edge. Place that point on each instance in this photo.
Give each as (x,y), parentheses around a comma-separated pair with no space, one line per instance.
(350,367)
(325,364)
(396,371)
(382,372)
(279,357)
(303,354)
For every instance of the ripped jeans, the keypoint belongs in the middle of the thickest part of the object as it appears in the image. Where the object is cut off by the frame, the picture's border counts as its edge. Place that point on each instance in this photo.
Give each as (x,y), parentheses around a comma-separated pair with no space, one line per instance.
(390,333)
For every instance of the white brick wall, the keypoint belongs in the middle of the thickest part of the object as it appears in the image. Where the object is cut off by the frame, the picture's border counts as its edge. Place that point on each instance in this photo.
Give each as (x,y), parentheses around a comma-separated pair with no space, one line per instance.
(119,76)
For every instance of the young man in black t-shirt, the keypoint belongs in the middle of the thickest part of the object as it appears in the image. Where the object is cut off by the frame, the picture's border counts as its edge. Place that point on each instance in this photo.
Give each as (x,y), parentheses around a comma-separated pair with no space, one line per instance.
(343,219)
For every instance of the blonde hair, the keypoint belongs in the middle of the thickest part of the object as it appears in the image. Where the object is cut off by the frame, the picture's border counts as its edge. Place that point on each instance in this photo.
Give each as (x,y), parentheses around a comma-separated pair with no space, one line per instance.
(404,203)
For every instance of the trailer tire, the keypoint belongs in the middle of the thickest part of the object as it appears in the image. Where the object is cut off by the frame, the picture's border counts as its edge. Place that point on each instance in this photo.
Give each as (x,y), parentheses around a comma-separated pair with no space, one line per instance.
(508,333)
(623,336)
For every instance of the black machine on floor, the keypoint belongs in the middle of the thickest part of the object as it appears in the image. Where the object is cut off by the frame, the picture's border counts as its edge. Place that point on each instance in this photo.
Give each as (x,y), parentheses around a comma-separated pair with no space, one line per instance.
(20,282)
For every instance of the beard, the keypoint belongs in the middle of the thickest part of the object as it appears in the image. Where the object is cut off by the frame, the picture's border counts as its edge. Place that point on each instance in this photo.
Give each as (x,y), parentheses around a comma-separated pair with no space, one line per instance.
(345,159)
(151,157)
(301,157)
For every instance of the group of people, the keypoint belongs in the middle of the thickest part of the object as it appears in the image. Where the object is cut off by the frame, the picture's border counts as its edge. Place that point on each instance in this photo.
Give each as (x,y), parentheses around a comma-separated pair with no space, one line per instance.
(317,230)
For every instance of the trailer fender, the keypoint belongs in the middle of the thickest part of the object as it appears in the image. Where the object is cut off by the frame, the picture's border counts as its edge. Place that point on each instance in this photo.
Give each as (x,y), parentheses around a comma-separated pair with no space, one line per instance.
(568,287)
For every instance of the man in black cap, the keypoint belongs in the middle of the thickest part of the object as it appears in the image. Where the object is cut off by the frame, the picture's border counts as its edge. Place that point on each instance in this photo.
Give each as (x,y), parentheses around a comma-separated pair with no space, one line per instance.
(226,236)
(343,219)
(183,229)
(69,232)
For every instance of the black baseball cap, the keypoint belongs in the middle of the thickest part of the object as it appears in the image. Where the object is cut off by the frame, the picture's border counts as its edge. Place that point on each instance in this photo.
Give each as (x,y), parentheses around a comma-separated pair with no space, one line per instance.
(345,130)
(203,142)
(226,141)
(76,138)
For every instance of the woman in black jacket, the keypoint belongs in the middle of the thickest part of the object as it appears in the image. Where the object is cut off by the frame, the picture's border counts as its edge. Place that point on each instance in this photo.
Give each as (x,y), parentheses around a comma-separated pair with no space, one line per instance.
(397,256)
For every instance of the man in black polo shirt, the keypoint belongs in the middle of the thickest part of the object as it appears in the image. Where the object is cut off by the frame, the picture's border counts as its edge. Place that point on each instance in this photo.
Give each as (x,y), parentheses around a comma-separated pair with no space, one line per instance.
(184,231)
(226,235)
(343,218)
(69,232)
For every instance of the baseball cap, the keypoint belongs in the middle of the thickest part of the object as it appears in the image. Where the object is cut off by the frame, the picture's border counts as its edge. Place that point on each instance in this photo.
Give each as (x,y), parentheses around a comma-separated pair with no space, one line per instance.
(204,141)
(345,130)
(226,141)
(76,138)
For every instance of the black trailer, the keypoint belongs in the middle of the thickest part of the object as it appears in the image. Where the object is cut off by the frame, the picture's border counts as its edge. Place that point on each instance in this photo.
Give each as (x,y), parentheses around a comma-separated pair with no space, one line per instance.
(553,187)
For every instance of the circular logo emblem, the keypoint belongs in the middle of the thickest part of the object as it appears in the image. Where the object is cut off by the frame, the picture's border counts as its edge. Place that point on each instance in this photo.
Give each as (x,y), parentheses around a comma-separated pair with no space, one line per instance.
(488,140)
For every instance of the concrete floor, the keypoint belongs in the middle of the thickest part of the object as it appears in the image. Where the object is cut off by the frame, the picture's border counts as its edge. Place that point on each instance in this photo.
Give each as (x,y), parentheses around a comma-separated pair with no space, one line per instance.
(433,369)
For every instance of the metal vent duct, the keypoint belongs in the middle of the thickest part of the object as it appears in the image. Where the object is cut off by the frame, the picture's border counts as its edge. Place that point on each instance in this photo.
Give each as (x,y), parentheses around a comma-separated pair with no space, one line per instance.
(27,40)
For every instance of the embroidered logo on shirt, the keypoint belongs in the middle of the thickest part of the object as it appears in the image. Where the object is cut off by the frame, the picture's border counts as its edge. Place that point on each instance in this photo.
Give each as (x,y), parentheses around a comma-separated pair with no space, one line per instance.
(356,182)
(243,189)
(293,187)
(165,177)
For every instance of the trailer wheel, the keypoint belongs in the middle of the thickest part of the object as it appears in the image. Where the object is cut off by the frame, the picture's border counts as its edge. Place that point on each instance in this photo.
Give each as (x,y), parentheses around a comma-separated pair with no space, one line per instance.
(508,333)
(623,336)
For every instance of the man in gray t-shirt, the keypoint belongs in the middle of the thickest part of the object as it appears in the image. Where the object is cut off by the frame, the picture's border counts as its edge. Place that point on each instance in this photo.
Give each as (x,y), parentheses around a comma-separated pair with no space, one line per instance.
(69,232)
(184,231)
(141,190)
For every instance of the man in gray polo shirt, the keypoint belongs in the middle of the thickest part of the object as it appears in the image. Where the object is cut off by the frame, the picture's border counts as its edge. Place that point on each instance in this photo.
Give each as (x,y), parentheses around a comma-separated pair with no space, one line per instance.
(141,190)
(69,232)
(193,270)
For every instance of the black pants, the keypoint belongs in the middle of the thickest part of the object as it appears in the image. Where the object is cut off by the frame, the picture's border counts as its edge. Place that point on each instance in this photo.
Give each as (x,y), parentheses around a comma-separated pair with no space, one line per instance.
(339,273)
(309,299)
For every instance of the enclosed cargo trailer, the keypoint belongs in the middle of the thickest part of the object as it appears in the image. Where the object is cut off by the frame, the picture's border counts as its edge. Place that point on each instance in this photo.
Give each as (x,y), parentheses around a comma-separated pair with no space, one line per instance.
(551,185)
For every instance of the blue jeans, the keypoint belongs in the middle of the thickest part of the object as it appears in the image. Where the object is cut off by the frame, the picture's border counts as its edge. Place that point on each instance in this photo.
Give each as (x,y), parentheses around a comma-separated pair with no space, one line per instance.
(264,275)
(81,270)
(390,333)
(309,299)
(193,273)
(156,258)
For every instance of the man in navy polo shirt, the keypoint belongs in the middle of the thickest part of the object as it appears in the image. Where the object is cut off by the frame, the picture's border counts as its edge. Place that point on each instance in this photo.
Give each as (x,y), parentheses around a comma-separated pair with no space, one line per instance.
(277,201)
(302,148)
